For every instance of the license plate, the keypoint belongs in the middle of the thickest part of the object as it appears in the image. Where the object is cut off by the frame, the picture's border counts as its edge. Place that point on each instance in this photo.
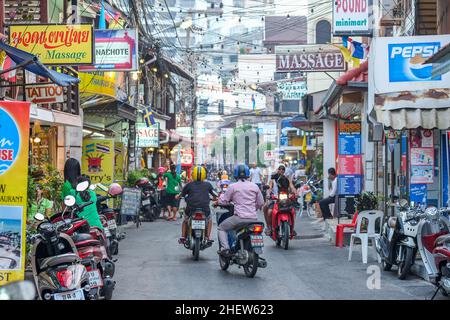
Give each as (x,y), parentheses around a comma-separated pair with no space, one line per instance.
(198,224)
(146,202)
(257,241)
(107,233)
(95,280)
(112,224)
(71,295)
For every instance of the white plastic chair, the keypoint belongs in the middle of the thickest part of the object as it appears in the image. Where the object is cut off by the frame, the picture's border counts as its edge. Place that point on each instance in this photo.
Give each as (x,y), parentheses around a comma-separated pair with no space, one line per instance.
(371,216)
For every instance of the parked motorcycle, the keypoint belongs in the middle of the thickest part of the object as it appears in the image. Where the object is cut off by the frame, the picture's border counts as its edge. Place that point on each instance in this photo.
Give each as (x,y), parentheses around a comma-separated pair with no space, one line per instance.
(307,195)
(149,204)
(246,245)
(283,217)
(433,240)
(57,269)
(397,244)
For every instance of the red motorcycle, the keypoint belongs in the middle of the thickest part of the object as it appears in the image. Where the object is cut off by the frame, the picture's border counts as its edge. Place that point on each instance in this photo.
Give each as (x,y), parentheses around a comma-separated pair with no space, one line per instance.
(433,239)
(283,218)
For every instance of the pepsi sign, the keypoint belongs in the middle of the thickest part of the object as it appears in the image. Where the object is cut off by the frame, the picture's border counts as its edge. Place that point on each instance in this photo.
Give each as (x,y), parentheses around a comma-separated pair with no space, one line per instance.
(406,61)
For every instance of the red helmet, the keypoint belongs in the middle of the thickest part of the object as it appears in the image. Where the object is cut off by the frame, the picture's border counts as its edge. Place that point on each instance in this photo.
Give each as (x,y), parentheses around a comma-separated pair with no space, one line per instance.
(142,182)
(115,189)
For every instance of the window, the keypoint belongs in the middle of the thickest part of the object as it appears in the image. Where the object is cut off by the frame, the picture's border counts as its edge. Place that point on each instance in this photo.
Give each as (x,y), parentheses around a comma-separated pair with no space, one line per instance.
(217,60)
(323,32)
(234,58)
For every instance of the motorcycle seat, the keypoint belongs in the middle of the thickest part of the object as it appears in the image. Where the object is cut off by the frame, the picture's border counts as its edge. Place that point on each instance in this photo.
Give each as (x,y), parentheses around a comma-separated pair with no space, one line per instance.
(84,240)
(58,260)
(442,239)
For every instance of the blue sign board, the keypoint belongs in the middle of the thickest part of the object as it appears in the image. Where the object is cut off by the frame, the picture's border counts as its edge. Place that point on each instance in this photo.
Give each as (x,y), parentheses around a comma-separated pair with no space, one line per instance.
(349,184)
(418,193)
(349,144)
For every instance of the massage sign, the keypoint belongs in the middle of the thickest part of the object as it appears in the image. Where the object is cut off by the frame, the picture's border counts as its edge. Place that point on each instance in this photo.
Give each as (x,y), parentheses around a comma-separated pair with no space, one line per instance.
(55,44)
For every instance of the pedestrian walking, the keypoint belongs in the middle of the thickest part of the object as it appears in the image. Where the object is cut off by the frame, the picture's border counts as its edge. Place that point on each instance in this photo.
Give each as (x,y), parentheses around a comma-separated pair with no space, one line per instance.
(256,175)
(161,188)
(173,188)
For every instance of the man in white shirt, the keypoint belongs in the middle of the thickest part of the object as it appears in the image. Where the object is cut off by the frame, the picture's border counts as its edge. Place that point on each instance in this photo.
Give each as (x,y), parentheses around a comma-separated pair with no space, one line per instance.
(332,187)
(255,175)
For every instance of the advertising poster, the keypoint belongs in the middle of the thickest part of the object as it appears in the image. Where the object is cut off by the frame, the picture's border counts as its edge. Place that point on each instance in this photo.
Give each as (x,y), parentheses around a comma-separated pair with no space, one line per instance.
(119,159)
(421,174)
(422,156)
(418,193)
(115,50)
(98,160)
(55,44)
(14,138)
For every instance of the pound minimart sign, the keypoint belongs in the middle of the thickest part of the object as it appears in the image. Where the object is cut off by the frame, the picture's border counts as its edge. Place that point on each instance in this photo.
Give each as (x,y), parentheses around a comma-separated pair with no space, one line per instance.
(352,17)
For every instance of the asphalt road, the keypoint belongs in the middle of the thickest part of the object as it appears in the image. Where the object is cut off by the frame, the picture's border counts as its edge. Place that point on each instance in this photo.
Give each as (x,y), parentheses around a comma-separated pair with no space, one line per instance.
(152,265)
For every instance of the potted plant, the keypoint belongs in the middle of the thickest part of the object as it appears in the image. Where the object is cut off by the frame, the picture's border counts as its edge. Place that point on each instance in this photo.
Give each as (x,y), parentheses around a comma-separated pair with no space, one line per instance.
(366,201)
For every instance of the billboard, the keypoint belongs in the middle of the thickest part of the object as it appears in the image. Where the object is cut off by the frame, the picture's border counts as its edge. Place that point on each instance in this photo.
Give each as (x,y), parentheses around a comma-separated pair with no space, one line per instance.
(404,59)
(55,44)
(14,138)
(115,50)
(351,17)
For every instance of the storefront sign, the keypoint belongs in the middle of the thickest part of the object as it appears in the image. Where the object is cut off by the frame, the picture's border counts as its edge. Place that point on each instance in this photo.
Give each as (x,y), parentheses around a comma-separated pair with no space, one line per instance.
(351,17)
(115,50)
(48,93)
(311,62)
(421,155)
(292,90)
(55,44)
(104,84)
(400,66)
(98,160)
(349,166)
(269,155)
(14,137)
(187,159)
(147,136)
(418,193)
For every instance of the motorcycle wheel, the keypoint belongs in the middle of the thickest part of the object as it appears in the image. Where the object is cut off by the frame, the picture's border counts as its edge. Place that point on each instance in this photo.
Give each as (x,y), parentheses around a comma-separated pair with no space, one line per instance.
(251,266)
(405,266)
(155,212)
(196,249)
(224,263)
(286,234)
(148,213)
(386,266)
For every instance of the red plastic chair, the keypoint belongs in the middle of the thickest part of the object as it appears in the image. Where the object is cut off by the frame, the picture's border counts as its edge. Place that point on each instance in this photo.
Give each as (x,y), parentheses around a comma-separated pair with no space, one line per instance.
(340,230)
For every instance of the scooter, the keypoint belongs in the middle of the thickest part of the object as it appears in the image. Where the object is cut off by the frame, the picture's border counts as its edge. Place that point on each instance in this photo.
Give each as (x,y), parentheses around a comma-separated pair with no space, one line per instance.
(57,269)
(149,205)
(196,233)
(397,244)
(433,240)
(283,217)
(246,245)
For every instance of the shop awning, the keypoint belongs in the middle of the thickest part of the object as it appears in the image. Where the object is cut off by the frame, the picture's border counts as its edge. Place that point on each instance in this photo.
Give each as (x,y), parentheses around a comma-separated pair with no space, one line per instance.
(31,63)
(413,109)
(113,109)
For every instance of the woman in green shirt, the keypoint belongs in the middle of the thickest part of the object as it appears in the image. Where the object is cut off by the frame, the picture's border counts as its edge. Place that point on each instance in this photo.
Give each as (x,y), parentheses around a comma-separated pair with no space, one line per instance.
(72,177)
(173,183)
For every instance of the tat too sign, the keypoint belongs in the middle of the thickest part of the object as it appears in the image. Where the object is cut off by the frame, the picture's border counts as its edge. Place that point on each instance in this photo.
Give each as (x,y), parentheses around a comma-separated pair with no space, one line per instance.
(43,94)
(352,17)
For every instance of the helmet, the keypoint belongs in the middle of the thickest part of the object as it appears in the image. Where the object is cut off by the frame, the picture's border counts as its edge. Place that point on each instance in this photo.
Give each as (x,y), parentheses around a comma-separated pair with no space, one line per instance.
(142,182)
(241,171)
(199,173)
(115,189)
(161,170)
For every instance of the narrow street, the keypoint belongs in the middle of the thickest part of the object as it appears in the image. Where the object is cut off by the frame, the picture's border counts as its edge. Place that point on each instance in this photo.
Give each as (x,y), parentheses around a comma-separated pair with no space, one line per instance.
(152,265)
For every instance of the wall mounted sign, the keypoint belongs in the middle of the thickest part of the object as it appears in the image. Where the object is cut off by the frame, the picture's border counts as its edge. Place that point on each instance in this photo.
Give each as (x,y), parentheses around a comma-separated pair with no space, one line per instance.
(147,137)
(351,17)
(318,61)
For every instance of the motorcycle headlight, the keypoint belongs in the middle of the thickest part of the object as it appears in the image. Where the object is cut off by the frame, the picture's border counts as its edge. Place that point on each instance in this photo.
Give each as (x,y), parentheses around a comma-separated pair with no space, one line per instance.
(432,213)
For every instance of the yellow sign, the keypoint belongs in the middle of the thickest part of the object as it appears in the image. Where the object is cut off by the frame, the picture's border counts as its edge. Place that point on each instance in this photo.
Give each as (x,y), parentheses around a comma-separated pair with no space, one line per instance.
(14,137)
(98,160)
(103,83)
(55,44)
(119,157)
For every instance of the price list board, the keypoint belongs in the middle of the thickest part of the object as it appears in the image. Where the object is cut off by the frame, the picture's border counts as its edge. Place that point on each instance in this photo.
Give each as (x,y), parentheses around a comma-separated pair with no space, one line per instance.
(131,201)
(349,144)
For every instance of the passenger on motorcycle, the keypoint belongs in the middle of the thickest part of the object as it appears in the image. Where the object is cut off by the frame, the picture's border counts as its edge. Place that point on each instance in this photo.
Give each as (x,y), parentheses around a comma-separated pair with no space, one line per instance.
(247,199)
(197,197)
(278,183)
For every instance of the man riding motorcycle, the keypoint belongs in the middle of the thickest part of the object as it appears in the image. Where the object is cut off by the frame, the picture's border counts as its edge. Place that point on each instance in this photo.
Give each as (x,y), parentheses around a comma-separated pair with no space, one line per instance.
(197,193)
(279,182)
(247,199)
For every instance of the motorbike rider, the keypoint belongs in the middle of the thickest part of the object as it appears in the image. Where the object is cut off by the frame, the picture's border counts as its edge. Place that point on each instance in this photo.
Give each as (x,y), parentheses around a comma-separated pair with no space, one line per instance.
(278,183)
(247,199)
(197,193)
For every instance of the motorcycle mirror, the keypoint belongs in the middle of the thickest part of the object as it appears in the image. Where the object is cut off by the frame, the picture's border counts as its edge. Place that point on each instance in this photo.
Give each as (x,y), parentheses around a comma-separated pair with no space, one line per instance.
(39,217)
(69,201)
(19,290)
(404,203)
(82,186)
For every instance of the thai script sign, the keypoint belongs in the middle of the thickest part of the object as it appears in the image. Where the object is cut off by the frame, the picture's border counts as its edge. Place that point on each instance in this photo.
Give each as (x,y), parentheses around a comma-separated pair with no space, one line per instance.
(115,50)
(294,90)
(14,137)
(311,62)
(55,44)
(351,17)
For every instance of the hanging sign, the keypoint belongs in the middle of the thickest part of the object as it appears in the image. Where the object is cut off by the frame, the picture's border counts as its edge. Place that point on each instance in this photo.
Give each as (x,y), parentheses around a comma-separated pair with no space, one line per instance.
(98,160)
(310,61)
(292,90)
(14,137)
(55,44)
(147,137)
(351,17)
(42,94)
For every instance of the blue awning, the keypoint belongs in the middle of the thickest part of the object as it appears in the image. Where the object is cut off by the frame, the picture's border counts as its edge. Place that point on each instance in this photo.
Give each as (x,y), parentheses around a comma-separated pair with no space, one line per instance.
(31,63)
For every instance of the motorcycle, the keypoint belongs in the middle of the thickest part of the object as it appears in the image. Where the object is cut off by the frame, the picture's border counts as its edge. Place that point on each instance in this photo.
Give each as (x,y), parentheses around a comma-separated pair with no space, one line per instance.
(18,290)
(246,245)
(397,244)
(433,240)
(149,204)
(307,196)
(196,233)
(57,269)
(283,217)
